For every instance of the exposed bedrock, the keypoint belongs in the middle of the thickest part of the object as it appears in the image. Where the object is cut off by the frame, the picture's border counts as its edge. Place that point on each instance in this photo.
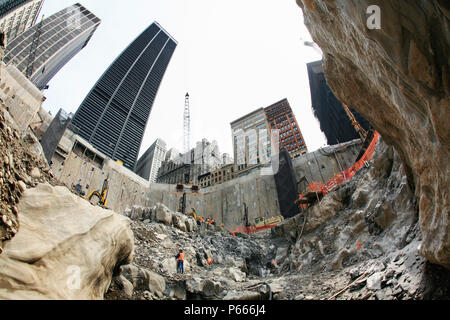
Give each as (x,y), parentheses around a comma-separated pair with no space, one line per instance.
(397,77)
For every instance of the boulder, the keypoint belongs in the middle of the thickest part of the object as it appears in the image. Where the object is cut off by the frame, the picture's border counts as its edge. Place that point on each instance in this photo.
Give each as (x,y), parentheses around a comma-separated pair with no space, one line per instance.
(35,173)
(204,287)
(237,275)
(124,285)
(65,249)
(179,222)
(143,279)
(374,281)
(191,225)
(163,215)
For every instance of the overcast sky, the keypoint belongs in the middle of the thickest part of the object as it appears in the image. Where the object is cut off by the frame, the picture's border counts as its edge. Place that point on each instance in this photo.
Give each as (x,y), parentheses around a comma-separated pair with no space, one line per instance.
(233,57)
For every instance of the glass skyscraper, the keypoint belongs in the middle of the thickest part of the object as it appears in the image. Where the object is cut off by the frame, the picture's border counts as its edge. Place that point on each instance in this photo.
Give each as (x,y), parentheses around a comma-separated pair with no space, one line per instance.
(41,51)
(114,115)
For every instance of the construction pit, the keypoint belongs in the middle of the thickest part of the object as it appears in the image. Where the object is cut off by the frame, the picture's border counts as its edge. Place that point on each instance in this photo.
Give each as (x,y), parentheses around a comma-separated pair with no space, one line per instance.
(381,235)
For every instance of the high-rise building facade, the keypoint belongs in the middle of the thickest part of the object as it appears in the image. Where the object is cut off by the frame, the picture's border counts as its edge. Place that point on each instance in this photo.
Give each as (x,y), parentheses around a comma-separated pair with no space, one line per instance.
(41,51)
(114,115)
(17,16)
(148,165)
(281,117)
(188,167)
(252,142)
(334,121)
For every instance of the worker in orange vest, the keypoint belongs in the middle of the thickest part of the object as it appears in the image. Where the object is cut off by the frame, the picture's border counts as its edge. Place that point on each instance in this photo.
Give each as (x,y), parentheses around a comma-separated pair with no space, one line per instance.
(180,261)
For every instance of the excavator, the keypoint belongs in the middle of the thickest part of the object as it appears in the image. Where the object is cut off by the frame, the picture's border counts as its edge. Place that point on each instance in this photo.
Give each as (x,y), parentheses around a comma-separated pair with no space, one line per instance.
(99,198)
(261,222)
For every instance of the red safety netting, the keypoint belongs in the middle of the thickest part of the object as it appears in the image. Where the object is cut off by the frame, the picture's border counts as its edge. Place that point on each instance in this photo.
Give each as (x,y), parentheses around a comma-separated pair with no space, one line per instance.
(345,175)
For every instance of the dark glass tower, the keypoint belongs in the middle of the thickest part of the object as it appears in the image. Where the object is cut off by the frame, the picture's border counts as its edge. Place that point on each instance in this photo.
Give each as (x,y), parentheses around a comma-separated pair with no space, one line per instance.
(41,51)
(114,115)
(334,121)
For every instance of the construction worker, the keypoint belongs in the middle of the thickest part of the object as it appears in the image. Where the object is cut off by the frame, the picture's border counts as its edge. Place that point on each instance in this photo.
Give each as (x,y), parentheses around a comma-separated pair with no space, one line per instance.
(180,261)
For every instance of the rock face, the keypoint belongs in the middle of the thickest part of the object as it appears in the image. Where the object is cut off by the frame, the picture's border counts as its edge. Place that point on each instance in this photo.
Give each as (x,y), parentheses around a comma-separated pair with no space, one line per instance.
(65,249)
(397,77)
(369,244)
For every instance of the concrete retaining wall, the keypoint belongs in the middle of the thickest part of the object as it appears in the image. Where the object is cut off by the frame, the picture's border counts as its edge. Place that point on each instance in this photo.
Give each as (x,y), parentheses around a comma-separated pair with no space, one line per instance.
(20,95)
(224,203)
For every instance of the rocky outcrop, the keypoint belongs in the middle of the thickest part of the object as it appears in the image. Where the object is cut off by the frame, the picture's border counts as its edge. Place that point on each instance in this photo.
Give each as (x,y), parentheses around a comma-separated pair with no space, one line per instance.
(364,238)
(161,214)
(397,77)
(65,248)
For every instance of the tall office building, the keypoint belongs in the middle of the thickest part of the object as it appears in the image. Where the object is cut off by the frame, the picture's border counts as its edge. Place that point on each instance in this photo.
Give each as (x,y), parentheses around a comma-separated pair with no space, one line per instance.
(114,115)
(148,165)
(334,121)
(252,142)
(17,16)
(41,51)
(281,117)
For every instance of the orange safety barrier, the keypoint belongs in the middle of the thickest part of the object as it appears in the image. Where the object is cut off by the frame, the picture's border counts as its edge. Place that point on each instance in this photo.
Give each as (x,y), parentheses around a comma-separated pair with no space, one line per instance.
(345,175)
(250,230)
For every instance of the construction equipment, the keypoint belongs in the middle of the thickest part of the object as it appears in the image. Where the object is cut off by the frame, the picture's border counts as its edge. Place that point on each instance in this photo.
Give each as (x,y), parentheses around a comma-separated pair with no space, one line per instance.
(193,214)
(261,222)
(100,198)
(362,133)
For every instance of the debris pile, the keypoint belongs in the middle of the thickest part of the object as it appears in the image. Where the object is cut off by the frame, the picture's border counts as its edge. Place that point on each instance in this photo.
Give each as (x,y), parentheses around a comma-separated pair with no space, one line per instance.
(360,242)
(22,166)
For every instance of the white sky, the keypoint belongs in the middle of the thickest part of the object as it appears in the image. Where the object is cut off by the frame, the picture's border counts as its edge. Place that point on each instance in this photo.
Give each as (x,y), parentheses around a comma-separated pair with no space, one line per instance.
(232,57)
